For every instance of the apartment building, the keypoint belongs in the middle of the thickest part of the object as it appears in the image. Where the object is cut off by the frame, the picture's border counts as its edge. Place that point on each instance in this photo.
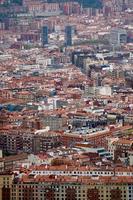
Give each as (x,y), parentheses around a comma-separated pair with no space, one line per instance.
(55,122)
(5,186)
(44,141)
(82,171)
(24,140)
(69,188)
(119,147)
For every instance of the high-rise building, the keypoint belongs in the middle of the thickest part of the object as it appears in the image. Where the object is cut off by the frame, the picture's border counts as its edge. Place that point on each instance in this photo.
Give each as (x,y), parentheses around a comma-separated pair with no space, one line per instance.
(45,35)
(68,35)
(118,37)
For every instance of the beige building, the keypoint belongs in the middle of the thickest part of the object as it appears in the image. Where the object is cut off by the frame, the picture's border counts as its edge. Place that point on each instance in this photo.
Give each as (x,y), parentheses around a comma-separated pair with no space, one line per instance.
(5,186)
(70,188)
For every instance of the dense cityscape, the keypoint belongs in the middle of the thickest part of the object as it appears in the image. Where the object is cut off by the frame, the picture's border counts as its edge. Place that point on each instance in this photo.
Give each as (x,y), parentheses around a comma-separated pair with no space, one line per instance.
(66,100)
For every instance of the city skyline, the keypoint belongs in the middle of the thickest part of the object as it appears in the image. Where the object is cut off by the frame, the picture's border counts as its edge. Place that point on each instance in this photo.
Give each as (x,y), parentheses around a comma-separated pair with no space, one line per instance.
(66,100)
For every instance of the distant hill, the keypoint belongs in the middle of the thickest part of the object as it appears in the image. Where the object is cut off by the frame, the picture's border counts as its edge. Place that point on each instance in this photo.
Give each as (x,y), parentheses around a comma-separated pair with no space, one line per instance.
(85,3)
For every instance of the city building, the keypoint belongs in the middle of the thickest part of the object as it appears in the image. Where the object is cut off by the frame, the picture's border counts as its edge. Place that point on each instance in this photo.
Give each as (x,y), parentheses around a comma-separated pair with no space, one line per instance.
(118,37)
(69,188)
(66,100)
(6,180)
(44,35)
(68,35)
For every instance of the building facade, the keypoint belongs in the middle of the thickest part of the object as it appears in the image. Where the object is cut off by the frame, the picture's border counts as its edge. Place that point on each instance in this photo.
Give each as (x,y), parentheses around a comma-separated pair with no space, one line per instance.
(118,37)
(68,35)
(44,35)
(56,188)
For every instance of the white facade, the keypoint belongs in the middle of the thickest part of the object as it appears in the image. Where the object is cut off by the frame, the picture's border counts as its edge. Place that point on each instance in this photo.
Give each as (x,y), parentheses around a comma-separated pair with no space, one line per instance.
(130,158)
(104,90)
(81,173)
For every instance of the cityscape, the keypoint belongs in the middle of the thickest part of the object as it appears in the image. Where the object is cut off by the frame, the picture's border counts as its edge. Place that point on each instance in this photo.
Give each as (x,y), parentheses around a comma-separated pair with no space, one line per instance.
(66,99)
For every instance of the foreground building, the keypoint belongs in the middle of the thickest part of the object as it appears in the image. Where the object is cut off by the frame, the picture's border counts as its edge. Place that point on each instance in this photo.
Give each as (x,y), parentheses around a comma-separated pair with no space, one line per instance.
(5,186)
(71,188)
